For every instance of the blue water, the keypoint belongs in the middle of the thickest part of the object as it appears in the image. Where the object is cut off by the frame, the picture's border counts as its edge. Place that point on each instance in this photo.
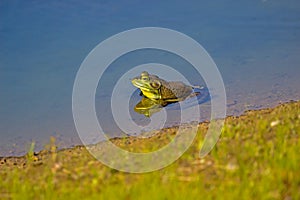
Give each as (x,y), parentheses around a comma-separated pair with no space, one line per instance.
(255,44)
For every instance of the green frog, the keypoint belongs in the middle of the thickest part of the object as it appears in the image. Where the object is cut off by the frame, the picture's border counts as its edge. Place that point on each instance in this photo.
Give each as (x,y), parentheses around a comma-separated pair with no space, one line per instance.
(160,91)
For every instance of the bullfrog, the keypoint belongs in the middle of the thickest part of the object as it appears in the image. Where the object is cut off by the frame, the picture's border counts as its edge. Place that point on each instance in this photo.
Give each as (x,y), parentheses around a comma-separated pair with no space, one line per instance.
(161,91)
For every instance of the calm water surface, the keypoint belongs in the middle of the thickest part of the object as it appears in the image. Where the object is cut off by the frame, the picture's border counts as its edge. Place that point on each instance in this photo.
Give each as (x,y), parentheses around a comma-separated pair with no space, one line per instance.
(255,44)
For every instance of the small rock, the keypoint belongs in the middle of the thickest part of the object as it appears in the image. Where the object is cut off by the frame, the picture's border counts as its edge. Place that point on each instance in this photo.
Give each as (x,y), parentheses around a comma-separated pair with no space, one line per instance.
(202,161)
(274,123)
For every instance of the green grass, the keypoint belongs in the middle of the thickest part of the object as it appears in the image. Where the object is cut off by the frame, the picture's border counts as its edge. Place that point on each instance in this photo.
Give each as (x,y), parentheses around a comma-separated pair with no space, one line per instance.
(257,157)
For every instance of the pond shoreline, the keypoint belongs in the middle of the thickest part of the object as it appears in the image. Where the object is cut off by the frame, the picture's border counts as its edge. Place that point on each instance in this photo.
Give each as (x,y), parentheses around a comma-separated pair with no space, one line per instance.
(166,130)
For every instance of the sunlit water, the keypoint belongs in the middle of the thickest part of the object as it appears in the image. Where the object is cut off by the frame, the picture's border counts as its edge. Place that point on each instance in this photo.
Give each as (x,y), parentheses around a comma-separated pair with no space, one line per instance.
(255,44)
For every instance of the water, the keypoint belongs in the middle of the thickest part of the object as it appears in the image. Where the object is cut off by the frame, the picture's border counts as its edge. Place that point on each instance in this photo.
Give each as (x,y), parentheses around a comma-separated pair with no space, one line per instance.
(255,45)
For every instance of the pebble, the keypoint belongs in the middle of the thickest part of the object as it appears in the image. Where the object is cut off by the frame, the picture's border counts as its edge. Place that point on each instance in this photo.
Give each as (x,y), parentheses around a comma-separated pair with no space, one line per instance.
(274,123)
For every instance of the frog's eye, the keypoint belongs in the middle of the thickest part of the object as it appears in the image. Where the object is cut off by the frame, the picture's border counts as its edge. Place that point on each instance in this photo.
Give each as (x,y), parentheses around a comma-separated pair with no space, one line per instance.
(155,84)
(144,74)
(145,78)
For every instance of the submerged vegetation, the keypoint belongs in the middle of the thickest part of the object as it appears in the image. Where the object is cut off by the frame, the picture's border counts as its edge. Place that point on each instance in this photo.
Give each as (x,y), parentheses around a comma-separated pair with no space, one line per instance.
(257,156)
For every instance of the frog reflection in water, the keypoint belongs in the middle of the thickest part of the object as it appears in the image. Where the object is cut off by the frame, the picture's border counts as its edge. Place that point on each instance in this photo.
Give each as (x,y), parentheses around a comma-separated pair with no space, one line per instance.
(159,93)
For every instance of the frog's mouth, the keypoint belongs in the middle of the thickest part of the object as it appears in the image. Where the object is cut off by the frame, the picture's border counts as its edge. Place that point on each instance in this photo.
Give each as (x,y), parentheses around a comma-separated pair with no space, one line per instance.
(141,86)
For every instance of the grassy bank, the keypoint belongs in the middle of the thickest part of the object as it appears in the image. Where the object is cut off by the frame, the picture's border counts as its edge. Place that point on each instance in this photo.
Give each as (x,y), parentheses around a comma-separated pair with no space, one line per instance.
(257,156)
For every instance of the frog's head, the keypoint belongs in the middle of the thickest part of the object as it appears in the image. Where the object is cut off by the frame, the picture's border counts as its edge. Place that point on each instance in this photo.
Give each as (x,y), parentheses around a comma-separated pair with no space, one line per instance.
(149,85)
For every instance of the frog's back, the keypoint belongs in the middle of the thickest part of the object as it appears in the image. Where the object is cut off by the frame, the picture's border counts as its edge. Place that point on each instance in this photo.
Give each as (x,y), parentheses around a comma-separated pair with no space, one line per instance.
(175,90)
